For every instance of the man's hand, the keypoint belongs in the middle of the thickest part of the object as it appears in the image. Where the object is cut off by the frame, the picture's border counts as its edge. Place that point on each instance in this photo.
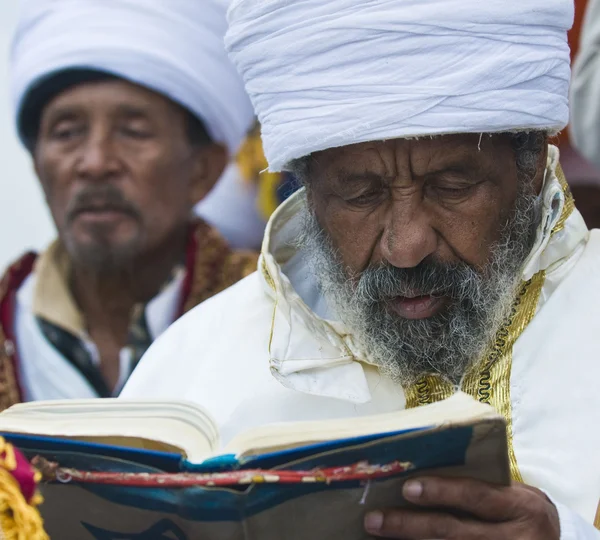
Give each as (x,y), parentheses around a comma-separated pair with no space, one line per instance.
(518,512)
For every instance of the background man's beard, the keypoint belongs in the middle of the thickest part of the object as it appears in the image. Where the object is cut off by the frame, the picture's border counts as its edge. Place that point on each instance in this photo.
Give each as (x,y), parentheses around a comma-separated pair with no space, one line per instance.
(102,258)
(449,342)
(99,255)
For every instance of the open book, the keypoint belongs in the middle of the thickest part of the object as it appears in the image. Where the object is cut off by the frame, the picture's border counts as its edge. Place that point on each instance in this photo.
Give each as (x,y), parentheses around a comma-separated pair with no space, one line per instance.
(151,469)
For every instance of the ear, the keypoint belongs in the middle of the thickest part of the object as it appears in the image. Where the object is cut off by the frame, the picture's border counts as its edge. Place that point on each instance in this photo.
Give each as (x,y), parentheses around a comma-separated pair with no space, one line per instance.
(538,182)
(209,163)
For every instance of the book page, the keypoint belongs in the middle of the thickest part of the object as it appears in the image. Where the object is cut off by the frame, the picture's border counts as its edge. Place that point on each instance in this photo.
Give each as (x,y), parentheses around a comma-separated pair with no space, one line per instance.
(460,408)
(179,427)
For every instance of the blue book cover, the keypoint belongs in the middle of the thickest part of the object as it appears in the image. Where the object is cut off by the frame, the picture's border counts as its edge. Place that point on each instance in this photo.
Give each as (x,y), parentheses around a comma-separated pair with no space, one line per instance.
(319,490)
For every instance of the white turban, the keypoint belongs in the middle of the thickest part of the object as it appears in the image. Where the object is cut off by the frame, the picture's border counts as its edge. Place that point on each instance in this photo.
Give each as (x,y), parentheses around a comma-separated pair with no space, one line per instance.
(328,73)
(174,47)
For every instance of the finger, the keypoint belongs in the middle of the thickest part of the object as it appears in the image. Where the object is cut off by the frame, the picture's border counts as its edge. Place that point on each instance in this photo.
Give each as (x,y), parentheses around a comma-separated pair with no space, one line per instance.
(484,501)
(415,525)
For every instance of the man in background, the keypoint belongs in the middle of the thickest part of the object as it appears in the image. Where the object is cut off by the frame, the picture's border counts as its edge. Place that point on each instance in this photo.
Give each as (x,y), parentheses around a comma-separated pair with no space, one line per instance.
(131,112)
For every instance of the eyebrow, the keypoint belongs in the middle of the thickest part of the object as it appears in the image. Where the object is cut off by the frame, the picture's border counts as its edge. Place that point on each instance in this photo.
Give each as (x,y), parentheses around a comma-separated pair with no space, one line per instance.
(67,112)
(460,168)
(359,178)
(465,162)
(350,179)
(70,112)
(133,111)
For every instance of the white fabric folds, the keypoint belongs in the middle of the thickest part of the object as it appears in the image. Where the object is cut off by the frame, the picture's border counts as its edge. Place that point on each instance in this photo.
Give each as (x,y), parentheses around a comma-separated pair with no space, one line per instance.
(330,73)
(174,47)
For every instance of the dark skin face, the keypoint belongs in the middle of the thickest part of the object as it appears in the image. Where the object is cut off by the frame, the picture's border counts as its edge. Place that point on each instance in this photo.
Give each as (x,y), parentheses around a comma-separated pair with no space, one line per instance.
(408,201)
(119,134)
(121,177)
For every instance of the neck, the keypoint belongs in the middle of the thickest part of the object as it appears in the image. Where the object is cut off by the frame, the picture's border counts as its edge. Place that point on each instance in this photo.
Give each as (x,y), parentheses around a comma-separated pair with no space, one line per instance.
(107,299)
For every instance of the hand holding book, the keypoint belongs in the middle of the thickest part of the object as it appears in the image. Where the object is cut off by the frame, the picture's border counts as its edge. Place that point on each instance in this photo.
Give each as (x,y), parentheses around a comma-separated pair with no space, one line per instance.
(498,512)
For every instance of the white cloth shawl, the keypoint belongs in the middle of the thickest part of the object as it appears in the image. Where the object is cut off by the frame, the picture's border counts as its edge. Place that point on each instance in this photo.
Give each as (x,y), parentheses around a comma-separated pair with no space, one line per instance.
(330,73)
(174,47)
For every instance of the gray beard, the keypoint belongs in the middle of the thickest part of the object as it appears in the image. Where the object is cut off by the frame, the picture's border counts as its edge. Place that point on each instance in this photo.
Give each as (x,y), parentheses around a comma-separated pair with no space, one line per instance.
(449,343)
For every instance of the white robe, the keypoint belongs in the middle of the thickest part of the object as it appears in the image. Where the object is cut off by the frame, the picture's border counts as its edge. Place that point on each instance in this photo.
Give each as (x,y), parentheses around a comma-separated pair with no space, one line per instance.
(260,352)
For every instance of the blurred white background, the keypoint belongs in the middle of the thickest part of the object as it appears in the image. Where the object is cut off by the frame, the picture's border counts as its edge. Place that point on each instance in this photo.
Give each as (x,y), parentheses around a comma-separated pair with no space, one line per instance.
(24,221)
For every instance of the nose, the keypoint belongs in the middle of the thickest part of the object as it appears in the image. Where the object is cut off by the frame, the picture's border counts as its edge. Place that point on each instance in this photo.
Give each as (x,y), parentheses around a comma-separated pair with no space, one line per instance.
(409,236)
(97,159)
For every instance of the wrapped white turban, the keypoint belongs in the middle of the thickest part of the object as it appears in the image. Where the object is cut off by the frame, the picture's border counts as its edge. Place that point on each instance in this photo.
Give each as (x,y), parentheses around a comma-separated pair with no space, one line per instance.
(174,47)
(328,73)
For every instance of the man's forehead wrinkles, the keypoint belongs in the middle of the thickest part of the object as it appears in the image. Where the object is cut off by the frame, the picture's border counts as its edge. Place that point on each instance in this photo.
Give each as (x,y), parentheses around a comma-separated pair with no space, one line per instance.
(360,176)
(384,156)
(388,161)
(439,159)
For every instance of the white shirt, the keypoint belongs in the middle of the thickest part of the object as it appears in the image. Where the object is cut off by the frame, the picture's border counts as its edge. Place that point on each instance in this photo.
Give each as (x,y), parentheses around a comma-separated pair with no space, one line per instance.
(260,353)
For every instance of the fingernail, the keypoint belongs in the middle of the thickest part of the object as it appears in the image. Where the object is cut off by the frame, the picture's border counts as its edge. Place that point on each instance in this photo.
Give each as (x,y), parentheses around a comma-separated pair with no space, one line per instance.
(374,521)
(412,489)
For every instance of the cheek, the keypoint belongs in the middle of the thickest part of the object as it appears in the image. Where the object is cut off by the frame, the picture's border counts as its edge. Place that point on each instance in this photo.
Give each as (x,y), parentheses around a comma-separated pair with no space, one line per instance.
(354,233)
(57,185)
(471,233)
(161,193)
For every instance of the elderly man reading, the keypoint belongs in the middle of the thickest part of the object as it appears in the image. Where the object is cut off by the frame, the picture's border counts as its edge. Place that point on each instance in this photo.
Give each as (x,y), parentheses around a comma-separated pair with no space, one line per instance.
(436,246)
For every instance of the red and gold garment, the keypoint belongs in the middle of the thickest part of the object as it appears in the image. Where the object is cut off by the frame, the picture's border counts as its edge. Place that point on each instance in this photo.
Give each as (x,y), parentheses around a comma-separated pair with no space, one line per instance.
(210,267)
(19,498)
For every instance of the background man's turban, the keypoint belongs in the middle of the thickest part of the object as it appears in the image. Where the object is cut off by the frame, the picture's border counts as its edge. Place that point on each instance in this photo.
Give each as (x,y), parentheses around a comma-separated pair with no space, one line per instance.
(174,47)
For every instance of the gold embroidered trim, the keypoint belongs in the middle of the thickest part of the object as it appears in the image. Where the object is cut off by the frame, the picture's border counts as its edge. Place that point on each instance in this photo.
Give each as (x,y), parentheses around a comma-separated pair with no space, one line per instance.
(489,382)
(597,518)
(9,388)
(267,275)
(569,201)
(429,389)
(216,266)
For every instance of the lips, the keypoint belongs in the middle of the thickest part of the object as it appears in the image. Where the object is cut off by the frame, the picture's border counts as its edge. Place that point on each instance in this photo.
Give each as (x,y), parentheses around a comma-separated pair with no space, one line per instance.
(100,211)
(418,307)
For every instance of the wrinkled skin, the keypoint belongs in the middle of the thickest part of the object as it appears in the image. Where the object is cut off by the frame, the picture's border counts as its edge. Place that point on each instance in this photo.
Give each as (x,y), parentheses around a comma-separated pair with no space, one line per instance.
(407,201)
(468,510)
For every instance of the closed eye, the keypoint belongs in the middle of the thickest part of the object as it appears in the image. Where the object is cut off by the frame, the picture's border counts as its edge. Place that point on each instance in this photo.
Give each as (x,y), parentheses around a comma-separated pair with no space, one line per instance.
(452,192)
(369,197)
(134,133)
(66,133)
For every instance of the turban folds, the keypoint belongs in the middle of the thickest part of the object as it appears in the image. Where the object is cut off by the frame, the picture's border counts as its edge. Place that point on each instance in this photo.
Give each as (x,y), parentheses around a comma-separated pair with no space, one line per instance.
(174,47)
(323,74)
